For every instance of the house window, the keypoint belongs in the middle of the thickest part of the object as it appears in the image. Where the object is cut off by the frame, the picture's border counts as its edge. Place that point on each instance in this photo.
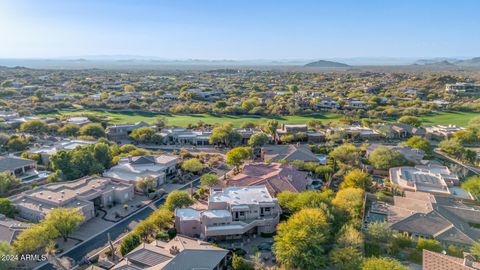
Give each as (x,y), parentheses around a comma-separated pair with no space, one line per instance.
(242,213)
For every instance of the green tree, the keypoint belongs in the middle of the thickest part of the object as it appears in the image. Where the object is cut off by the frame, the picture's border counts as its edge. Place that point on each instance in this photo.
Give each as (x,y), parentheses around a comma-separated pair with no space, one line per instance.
(84,161)
(270,127)
(382,264)
(145,135)
(410,120)
(429,244)
(258,139)
(225,135)
(178,199)
(357,178)
(64,220)
(103,154)
(34,238)
(17,143)
(146,229)
(6,249)
(93,129)
(7,182)
(70,130)
(293,201)
(474,122)
(34,127)
(349,236)
(192,165)
(419,142)
(475,249)
(300,241)
(472,185)
(452,147)
(379,232)
(346,153)
(349,200)
(467,136)
(386,158)
(209,180)
(129,243)
(161,122)
(146,183)
(239,263)
(61,161)
(237,156)
(7,208)
(346,258)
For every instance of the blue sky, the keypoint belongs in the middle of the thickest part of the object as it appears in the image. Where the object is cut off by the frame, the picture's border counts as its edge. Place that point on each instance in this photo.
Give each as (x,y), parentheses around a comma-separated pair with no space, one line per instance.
(247,29)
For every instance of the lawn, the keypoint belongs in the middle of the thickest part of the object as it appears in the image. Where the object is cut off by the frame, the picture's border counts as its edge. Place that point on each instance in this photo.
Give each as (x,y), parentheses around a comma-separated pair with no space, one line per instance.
(452,118)
(183,120)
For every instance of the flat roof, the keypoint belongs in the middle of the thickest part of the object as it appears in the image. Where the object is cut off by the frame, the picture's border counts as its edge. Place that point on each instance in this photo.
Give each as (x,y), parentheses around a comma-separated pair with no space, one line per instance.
(242,195)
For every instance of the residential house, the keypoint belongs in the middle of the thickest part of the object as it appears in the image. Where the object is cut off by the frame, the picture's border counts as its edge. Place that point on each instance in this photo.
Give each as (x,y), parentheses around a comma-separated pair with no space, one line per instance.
(15,122)
(355,132)
(441,132)
(10,228)
(120,99)
(410,154)
(431,177)
(290,128)
(439,261)
(463,88)
(180,253)
(46,151)
(131,169)
(85,194)
(78,120)
(183,136)
(355,105)
(24,169)
(288,152)
(122,132)
(399,130)
(275,176)
(421,214)
(328,104)
(232,212)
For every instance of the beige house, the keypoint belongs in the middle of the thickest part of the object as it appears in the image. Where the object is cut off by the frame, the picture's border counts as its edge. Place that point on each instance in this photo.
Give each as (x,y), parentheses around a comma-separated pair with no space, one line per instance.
(131,169)
(181,253)
(24,169)
(121,132)
(232,213)
(85,194)
(432,178)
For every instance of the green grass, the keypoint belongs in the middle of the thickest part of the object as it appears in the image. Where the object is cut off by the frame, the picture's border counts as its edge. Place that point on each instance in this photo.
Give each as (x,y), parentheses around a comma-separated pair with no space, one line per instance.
(449,118)
(184,120)
(455,118)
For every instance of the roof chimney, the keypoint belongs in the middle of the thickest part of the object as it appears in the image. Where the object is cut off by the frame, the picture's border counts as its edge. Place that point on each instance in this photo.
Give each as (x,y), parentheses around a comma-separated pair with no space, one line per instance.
(174,250)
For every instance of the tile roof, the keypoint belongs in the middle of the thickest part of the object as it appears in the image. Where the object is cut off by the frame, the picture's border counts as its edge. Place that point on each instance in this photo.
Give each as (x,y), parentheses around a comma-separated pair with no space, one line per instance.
(277,177)
(438,261)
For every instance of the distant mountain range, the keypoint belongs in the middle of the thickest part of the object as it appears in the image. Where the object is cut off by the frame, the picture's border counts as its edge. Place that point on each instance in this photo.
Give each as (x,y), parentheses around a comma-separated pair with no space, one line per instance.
(326,64)
(444,62)
(132,61)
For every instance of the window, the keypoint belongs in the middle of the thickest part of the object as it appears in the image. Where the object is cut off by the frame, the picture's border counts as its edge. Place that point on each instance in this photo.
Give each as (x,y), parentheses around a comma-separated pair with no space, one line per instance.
(242,213)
